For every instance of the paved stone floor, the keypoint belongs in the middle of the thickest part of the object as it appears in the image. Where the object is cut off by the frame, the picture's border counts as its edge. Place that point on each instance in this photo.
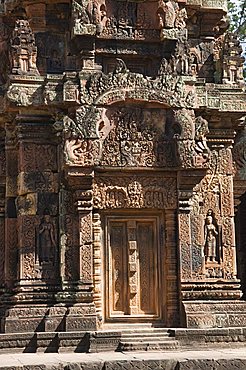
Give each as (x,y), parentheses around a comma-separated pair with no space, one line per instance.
(212,359)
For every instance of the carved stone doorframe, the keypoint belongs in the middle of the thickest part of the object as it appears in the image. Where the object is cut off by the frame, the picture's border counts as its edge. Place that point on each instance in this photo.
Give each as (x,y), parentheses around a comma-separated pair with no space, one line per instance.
(129,196)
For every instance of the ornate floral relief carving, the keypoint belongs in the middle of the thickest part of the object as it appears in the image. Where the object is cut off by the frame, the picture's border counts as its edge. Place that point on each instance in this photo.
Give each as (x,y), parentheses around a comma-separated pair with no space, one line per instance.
(127,137)
(165,87)
(85,124)
(80,152)
(134,192)
(35,157)
(27,226)
(185,245)
(137,138)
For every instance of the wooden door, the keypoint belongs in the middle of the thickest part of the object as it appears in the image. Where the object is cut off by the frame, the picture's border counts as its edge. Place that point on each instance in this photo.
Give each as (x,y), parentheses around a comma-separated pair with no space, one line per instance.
(132,265)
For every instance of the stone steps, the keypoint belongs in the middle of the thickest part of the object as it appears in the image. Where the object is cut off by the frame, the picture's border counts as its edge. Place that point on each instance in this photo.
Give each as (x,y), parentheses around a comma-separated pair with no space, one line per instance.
(148,346)
(147,339)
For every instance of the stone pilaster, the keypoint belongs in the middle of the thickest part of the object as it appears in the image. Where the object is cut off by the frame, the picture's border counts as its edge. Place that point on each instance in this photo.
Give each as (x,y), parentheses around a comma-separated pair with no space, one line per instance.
(172,286)
(209,285)
(32,211)
(82,313)
(97,266)
(11,154)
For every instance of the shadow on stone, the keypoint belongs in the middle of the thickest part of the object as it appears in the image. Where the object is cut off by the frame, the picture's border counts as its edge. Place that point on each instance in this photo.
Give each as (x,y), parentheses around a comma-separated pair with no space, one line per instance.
(31,347)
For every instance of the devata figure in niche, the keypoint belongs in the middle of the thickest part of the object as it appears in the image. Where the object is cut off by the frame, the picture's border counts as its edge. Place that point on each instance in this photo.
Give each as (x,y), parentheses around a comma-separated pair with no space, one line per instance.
(46,239)
(211,235)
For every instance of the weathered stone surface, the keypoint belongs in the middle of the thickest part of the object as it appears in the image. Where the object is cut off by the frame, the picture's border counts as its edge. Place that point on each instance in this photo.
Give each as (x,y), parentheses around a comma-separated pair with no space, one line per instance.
(122,163)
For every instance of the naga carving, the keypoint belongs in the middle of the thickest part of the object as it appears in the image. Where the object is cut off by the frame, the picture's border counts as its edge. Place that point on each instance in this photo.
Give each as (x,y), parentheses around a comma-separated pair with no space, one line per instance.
(191,139)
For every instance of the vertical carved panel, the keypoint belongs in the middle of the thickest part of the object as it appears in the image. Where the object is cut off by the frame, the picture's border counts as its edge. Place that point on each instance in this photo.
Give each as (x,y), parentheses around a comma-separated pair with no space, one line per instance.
(11,255)
(212,223)
(2,249)
(70,247)
(118,266)
(133,267)
(148,268)
(86,247)
(97,263)
(27,226)
(185,246)
(172,292)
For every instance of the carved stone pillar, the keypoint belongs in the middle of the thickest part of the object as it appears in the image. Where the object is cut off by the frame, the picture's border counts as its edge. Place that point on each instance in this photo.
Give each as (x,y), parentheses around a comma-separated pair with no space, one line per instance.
(32,205)
(82,313)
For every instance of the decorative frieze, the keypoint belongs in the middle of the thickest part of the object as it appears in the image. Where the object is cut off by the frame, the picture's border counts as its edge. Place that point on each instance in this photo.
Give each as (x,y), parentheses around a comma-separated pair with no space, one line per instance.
(134,192)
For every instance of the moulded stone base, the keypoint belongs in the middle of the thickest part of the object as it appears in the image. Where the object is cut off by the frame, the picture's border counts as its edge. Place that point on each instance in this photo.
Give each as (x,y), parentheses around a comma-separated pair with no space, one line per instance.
(44,318)
(21,319)
(81,317)
(205,338)
(214,314)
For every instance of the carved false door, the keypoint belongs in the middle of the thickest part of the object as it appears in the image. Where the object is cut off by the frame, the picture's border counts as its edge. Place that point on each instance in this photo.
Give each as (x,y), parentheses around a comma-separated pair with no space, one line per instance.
(132,290)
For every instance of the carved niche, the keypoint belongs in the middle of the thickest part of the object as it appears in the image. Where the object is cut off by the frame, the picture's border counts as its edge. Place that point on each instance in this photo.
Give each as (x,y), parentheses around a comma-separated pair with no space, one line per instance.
(212,223)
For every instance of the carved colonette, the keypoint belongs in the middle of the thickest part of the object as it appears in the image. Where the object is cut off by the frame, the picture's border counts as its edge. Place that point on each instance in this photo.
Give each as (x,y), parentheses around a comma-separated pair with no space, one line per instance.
(119,122)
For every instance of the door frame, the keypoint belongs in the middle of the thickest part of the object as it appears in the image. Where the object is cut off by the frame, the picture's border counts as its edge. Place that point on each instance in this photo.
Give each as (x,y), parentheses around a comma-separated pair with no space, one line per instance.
(141,215)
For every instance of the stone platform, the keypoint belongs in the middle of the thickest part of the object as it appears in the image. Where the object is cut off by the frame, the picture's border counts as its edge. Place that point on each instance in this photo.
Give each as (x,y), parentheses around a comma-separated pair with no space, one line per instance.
(124,340)
(210,359)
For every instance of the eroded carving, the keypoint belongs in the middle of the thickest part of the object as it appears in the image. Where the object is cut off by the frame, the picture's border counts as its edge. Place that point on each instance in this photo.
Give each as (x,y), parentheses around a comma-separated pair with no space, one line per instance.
(134,192)
(46,240)
(24,50)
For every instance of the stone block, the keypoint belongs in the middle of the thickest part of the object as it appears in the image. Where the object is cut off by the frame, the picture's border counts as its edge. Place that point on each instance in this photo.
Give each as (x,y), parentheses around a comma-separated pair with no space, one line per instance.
(81,317)
(73,342)
(104,341)
(47,342)
(215,314)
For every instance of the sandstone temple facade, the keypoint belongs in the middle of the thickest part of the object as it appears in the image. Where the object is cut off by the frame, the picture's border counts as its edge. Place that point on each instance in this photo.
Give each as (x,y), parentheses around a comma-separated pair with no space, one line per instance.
(123,166)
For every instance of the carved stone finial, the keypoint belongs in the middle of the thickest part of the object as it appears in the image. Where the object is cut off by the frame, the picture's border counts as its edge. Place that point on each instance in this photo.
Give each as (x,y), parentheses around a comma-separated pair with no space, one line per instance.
(23,49)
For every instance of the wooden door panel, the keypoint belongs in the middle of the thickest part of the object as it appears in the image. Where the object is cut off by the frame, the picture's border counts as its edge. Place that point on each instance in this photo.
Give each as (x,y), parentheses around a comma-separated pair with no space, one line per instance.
(132,268)
(147,267)
(118,268)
